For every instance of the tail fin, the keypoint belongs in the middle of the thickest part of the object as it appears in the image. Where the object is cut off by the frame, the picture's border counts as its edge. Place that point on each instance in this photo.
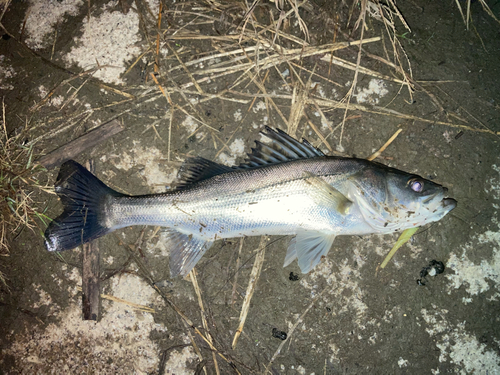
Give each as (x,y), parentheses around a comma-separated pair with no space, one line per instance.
(83,196)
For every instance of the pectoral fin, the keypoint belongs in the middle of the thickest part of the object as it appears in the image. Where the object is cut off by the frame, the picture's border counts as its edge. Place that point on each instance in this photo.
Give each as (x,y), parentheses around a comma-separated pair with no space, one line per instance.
(308,247)
(185,252)
(326,195)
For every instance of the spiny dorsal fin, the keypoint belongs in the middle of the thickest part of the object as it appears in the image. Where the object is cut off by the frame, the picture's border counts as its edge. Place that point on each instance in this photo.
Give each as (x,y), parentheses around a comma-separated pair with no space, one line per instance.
(283,148)
(198,169)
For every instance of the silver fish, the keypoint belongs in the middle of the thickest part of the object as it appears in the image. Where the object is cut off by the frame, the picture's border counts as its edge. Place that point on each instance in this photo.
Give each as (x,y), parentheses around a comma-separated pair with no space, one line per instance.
(284,188)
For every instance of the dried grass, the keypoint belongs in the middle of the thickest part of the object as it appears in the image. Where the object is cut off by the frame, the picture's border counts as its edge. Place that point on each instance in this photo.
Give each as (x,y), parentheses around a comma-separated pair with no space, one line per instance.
(17,185)
(467,17)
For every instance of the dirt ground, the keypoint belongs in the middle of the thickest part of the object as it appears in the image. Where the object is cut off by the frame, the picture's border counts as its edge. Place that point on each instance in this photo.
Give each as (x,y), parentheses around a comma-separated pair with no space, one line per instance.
(66,68)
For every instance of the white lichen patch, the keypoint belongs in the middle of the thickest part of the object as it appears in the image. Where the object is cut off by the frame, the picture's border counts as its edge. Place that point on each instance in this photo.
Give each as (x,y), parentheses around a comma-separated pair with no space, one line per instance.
(301,370)
(494,188)
(403,362)
(44,297)
(151,165)
(347,294)
(133,289)
(376,89)
(237,149)
(55,101)
(325,123)
(259,106)
(458,346)
(238,115)
(119,343)
(317,88)
(335,351)
(43,16)
(476,278)
(390,314)
(176,363)
(109,39)
(190,124)
(6,73)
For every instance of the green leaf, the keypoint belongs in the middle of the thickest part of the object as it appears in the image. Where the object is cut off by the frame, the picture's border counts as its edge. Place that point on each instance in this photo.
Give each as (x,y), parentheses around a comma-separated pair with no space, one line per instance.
(403,238)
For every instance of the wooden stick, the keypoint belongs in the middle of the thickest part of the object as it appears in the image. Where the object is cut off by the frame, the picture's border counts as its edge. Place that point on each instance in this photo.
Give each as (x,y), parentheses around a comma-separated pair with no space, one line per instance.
(75,147)
(90,276)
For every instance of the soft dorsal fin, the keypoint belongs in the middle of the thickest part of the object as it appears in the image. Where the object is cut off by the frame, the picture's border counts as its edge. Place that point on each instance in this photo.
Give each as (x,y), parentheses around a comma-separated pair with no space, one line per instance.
(198,169)
(283,148)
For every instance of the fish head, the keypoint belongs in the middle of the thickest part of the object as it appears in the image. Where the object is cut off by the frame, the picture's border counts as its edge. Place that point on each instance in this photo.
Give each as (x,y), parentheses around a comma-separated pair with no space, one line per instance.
(391,200)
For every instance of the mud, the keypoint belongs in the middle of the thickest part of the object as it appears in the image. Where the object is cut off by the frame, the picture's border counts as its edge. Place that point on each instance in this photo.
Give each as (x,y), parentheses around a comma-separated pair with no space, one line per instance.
(345,317)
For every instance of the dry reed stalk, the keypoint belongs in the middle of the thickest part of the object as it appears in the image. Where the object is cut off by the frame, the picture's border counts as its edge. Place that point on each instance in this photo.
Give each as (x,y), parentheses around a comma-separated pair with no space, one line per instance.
(252,283)
(349,65)
(186,70)
(157,58)
(195,345)
(89,72)
(297,105)
(466,18)
(286,56)
(133,305)
(348,96)
(72,96)
(4,5)
(318,133)
(386,144)
(197,290)
(238,260)
(115,90)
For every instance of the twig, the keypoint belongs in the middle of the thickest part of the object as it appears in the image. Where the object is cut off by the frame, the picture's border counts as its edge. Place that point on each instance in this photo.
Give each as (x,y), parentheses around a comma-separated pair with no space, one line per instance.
(235,283)
(254,277)
(197,289)
(75,147)
(125,302)
(4,119)
(90,275)
(386,144)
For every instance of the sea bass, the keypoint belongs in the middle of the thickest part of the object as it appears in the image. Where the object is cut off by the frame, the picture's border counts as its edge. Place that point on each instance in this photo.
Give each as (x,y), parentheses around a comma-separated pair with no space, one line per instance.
(286,187)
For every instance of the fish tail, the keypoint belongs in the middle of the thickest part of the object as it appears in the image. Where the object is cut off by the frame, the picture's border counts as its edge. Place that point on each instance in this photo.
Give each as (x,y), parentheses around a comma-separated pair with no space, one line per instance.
(83,196)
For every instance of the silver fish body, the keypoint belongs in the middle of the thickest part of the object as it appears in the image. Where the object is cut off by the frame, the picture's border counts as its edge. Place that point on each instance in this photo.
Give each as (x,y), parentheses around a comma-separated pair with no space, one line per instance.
(287,188)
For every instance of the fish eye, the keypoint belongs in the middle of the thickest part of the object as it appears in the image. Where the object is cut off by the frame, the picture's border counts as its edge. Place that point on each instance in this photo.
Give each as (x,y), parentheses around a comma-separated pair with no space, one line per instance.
(416,185)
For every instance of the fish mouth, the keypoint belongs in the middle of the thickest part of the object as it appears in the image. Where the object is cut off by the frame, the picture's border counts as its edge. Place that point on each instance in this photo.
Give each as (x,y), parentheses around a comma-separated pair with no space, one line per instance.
(439,205)
(449,204)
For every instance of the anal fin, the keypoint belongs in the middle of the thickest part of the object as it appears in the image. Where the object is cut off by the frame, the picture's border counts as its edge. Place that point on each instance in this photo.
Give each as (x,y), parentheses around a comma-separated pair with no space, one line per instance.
(308,247)
(185,252)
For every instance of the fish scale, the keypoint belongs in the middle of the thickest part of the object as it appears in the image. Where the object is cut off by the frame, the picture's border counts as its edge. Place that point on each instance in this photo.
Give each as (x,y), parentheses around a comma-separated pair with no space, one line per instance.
(269,204)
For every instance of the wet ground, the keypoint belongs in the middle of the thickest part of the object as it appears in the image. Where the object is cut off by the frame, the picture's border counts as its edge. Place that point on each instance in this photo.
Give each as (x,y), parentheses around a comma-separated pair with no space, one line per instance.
(66,69)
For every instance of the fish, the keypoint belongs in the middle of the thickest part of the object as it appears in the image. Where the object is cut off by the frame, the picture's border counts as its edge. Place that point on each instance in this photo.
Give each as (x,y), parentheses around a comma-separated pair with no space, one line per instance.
(284,187)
